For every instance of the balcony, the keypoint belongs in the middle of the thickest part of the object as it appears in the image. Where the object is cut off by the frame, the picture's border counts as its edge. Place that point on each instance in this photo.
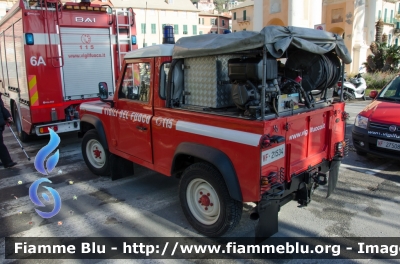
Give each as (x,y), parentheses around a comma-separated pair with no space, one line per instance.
(397,31)
(243,20)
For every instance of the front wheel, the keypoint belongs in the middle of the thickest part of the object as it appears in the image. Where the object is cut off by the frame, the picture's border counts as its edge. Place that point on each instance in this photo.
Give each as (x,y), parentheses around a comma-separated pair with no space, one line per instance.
(206,202)
(96,156)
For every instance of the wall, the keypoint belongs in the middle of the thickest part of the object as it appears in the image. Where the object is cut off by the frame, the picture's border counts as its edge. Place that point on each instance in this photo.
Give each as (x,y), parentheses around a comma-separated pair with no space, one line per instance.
(239,24)
(160,17)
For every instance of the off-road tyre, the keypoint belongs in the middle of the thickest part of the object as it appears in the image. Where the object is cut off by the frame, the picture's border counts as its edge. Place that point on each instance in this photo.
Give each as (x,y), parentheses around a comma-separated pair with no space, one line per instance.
(22,135)
(96,156)
(201,182)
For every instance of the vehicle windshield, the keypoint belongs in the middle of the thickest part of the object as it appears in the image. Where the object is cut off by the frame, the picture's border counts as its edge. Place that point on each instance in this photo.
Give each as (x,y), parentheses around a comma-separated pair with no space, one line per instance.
(392,91)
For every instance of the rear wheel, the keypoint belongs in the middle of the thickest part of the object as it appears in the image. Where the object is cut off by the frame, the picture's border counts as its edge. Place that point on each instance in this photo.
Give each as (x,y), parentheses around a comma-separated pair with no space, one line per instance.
(18,125)
(347,96)
(96,156)
(206,202)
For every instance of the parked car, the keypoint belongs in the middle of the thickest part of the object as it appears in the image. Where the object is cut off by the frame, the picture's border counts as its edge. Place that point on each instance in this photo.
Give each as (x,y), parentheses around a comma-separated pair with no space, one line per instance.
(377,128)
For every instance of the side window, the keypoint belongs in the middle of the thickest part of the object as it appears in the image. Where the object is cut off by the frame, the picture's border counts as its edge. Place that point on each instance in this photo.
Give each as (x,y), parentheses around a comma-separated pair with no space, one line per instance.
(136,82)
(164,79)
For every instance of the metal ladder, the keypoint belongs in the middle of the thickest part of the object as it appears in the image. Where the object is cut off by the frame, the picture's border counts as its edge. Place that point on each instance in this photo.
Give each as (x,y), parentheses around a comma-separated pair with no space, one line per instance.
(128,17)
(57,16)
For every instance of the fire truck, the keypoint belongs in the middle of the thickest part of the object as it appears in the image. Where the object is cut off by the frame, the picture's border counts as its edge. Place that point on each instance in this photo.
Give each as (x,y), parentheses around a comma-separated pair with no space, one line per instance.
(51,55)
(240,117)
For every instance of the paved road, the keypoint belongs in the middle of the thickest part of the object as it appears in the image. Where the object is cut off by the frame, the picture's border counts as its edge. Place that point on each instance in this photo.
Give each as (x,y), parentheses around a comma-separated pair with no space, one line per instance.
(366,202)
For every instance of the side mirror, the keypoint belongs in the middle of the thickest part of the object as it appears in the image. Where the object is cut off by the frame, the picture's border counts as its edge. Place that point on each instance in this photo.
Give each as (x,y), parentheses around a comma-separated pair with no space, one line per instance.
(103,90)
(373,94)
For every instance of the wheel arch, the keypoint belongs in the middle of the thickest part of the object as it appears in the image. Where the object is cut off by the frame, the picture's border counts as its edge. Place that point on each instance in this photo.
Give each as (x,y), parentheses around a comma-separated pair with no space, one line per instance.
(93,122)
(215,157)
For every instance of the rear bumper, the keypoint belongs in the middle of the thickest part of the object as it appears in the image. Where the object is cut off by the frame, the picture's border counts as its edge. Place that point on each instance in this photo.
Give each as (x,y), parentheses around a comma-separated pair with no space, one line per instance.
(366,143)
(62,127)
(298,189)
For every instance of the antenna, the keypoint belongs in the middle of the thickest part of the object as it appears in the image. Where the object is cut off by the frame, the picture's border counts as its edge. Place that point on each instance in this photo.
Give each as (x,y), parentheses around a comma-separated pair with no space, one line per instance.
(145,26)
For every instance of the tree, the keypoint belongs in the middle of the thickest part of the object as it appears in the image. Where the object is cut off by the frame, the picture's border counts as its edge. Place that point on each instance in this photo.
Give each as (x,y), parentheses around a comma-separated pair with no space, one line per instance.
(219,5)
(383,58)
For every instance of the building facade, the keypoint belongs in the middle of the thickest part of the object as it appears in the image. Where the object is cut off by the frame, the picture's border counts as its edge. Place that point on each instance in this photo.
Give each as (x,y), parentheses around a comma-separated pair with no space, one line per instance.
(243,16)
(153,15)
(354,20)
(205,5)
(213,23)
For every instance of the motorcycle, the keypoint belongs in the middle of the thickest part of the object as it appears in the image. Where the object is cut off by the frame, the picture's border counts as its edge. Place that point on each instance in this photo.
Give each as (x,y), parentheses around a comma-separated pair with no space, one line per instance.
(353,89)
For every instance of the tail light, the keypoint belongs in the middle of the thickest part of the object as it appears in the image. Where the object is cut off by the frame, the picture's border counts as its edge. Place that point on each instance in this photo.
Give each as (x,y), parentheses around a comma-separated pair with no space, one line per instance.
(45,130)
(339,84)
(342,148)
(273,181)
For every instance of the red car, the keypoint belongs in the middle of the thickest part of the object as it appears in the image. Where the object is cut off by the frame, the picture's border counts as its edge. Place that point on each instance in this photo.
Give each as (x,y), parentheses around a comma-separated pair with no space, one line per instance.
(377,128)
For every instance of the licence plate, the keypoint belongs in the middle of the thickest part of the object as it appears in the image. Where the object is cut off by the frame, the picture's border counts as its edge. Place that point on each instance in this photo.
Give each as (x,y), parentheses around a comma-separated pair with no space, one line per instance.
(388,145)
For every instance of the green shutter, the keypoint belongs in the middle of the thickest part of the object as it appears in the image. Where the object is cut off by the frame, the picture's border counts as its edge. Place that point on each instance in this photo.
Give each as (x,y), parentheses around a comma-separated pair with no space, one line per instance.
(162,26)
(390,40)
(244,14)
(143,27)
(153,28)
(176,29)
(391,16)
(398,25)
(185,31)
(379,14)
(202,21)
(396,42)
(398,10)
(385,16)
(234,16)
(199,20)
(194,30)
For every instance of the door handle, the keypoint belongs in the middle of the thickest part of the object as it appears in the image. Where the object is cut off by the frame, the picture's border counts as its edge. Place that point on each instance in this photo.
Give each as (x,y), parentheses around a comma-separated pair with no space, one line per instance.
(141,128)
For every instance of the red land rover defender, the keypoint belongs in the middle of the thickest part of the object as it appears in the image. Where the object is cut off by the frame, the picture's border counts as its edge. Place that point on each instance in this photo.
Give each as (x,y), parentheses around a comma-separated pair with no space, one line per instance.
(241,117)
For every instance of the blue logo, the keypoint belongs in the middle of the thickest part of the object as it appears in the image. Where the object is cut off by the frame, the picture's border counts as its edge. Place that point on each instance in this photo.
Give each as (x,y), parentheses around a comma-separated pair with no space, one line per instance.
(50,165)
(45,151)
(35,199)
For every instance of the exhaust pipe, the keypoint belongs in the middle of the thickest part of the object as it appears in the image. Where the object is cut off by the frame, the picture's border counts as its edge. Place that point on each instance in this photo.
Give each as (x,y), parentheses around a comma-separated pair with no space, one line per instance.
(254,213)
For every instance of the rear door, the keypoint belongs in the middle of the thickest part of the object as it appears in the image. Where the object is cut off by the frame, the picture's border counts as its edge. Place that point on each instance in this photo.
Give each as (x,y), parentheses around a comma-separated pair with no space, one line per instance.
(87,61)
(307,139)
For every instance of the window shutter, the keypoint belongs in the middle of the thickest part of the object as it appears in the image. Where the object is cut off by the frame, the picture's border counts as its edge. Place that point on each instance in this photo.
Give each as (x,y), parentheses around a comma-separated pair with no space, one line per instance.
(176,29)
(385,16)
(244,15)
(391,16)
(234,16)
(194,30)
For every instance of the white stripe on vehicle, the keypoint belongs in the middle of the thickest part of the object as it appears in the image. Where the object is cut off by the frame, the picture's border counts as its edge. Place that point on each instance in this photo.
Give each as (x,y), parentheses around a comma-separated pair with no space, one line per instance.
(220,133)
(92,108)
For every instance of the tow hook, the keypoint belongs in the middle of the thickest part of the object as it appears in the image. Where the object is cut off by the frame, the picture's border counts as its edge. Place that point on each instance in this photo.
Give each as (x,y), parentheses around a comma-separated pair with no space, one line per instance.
(320,178)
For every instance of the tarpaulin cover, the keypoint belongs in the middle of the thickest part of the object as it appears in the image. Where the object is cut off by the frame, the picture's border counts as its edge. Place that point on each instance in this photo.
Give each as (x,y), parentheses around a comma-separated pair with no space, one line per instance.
(276,38)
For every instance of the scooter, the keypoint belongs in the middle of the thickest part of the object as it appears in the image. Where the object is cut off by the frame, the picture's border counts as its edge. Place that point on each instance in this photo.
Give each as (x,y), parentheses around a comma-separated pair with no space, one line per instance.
(353,89)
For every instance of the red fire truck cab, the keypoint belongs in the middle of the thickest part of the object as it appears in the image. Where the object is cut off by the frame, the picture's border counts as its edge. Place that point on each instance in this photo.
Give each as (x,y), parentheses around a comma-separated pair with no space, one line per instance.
(51,55)
(241,117)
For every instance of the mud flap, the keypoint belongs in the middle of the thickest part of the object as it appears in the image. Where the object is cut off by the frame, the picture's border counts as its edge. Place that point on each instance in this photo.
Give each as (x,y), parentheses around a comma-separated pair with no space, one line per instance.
(120,167)
(268,222)
(333,176)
